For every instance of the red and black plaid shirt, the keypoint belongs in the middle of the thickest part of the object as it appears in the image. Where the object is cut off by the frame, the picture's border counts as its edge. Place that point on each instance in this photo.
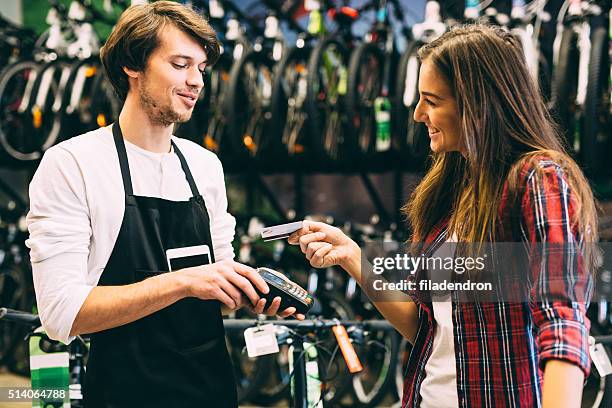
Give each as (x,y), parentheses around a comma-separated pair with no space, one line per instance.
(501,348)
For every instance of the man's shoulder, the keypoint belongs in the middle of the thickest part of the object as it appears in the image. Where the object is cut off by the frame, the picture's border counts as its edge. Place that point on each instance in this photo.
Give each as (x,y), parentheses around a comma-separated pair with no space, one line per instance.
(92,143)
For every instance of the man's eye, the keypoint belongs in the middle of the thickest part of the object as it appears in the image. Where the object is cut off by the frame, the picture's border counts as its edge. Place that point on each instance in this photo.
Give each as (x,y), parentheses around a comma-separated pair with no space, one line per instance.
(430,103)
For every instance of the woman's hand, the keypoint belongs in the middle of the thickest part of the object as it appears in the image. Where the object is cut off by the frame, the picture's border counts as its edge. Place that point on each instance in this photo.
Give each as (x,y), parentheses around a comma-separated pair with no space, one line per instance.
(325,245)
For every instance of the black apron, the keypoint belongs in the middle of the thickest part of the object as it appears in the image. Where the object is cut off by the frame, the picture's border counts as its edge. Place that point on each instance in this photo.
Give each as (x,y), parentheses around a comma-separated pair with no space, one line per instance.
(175,357)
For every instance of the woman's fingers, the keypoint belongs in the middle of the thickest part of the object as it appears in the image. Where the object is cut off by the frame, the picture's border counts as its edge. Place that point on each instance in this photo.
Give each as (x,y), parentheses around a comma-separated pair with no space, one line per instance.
(308,238)
(308,227)
(313,247)
(317,259)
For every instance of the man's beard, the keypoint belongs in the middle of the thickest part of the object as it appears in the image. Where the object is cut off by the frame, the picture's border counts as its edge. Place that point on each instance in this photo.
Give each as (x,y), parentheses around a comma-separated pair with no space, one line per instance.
(159,114)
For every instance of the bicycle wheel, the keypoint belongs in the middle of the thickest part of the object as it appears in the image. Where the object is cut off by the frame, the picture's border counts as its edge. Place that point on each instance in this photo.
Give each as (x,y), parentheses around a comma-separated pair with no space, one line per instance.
(326,87)
(594,142)
(76,114)
(404,350)
(565,87)
(248,103)
(215,90)
(378,358)
(105,106)
(18,141)
(288,119)
(364,86)
(337,378)
(250,373)
(16,289)
(409,137)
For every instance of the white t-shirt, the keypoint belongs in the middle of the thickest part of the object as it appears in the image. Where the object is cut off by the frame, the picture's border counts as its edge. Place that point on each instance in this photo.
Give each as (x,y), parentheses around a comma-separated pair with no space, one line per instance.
(439,388)
(77,202)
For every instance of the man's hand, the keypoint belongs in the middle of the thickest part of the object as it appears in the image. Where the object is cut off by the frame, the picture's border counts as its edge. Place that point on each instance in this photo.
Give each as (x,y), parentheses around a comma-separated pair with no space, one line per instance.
(324,245)
(260,308)
(225,281)
(233,284)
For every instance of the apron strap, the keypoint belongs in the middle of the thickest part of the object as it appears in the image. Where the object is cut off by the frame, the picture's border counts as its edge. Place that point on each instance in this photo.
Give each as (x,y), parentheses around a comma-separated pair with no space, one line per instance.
(125,168)
(192,184)
(123,160)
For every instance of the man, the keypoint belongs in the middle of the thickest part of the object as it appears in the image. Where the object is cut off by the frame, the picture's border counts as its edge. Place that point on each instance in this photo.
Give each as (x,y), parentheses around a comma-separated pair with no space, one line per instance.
(107,205)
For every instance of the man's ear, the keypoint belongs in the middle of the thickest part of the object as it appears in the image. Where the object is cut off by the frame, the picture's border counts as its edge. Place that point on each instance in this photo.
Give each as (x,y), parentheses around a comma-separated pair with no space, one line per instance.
(130,72)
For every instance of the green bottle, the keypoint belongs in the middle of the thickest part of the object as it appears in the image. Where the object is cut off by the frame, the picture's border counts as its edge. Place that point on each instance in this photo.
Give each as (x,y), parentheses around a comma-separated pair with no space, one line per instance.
(382,115)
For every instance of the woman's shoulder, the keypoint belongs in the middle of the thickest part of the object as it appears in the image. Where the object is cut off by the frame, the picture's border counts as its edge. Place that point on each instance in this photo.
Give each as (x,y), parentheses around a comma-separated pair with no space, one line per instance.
(534,164)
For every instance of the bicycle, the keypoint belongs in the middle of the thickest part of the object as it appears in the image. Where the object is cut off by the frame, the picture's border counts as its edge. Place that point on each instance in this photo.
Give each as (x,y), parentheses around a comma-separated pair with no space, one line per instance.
(410,137)
(578,61)
(371,67)
(45,100)
(301,337)
(64,374)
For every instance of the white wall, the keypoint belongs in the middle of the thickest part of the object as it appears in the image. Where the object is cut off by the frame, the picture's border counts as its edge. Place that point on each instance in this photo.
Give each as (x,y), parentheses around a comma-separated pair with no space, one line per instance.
(12,10)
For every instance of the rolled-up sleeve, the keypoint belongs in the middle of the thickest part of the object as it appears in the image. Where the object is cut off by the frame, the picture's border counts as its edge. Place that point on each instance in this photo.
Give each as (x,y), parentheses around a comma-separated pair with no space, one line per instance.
(60,233)
(223,224)
(561,285)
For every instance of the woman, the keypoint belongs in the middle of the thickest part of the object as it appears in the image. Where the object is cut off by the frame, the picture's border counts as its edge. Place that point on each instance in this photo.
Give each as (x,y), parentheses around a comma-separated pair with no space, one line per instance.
(499,174)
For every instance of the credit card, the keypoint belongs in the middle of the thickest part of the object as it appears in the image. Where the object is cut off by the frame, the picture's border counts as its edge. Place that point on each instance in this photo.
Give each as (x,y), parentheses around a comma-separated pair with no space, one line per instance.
(280,231)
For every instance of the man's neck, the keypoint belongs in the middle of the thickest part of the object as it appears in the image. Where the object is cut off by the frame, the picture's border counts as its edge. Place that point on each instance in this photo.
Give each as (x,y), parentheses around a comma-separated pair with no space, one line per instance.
(138,129)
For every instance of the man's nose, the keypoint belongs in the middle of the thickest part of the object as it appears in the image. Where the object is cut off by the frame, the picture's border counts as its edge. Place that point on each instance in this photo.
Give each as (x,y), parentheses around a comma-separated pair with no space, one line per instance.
(195,78)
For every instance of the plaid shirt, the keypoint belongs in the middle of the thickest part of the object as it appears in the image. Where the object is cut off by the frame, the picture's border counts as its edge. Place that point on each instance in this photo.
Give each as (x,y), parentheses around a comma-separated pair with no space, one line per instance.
(501,348)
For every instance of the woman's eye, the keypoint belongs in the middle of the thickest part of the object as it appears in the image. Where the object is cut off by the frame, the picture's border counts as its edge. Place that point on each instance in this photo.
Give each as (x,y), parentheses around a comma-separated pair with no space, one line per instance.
(430,103)
(179,66)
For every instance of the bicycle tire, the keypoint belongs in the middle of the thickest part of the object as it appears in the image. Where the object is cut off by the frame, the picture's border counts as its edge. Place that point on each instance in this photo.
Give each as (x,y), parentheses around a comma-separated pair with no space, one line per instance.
(360,98)
(13,351)
(410,138)
(335,306)
(106,106)
(371,395)
(404,350)
(595,136)
(565,86)
(288,129)
(246,115)
(80,119)
(214,129)
(250,373)
(10,122)
(326,120)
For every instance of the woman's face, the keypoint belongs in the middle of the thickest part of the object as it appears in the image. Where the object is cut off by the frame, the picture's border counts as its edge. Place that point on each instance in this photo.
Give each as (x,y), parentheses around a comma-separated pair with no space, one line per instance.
(437,108)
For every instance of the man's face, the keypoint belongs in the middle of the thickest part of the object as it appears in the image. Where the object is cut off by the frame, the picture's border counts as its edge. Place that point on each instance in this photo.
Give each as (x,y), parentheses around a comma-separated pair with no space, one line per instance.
(168,87)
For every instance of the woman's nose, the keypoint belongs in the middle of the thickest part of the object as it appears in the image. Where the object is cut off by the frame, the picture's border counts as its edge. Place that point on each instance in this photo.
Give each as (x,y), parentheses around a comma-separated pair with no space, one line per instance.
(419,114)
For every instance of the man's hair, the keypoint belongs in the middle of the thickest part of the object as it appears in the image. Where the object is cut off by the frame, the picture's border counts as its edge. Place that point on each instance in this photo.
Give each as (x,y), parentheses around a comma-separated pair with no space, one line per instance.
(136,36)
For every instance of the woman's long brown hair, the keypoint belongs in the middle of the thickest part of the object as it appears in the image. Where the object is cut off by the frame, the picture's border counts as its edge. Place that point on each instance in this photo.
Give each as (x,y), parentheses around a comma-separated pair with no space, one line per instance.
(504,123)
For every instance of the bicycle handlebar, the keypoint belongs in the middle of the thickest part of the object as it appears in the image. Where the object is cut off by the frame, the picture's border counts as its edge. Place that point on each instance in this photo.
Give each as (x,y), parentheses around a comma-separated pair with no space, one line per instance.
(308,325)
(17,316)
(607,339)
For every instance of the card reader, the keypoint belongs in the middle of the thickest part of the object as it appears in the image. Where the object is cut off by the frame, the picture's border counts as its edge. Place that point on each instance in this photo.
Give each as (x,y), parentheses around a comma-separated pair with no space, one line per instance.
(291,294)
